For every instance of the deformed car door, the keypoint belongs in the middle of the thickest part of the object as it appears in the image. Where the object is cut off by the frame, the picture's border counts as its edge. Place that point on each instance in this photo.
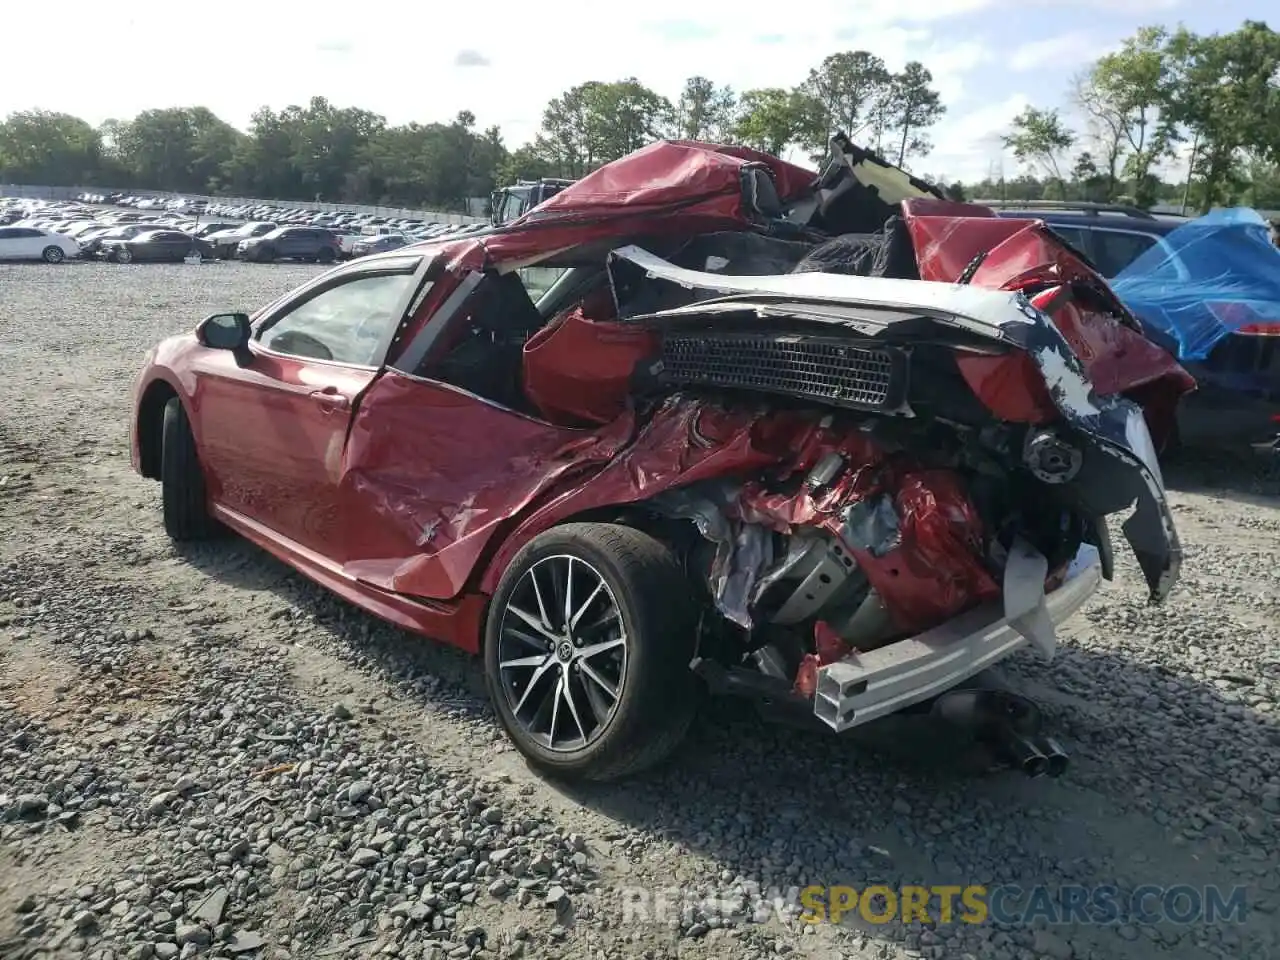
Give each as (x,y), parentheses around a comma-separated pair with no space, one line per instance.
(432,472)
(272,424)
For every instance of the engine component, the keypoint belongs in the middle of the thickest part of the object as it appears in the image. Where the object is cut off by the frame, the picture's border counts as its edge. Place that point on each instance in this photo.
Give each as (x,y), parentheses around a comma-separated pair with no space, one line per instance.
(824,471)
(869,625)
(770,662)
(1051,458)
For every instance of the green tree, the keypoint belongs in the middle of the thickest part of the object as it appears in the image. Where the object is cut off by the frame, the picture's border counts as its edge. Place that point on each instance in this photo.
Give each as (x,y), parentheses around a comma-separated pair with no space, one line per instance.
(1128,87)
(176,148)
(327,142)
(912,106)
(771,118)
(525,163)
(1090,182)
(1039,138)
(1106,128)
(1222,92)
(704,111)
(628,115)
(594,123)
(852,88)
(44,147)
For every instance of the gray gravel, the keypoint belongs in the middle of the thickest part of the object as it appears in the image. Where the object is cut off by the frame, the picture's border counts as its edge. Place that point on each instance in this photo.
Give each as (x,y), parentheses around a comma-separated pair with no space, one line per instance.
(201,754)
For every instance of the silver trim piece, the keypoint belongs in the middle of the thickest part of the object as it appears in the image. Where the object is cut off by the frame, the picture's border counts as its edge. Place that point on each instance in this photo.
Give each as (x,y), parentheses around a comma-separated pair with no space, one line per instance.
(866,686)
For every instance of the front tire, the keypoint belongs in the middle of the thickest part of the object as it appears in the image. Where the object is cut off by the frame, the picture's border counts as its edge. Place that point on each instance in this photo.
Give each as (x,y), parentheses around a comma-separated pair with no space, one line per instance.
(588,642)
(53,254)
(124,255)
(183,490)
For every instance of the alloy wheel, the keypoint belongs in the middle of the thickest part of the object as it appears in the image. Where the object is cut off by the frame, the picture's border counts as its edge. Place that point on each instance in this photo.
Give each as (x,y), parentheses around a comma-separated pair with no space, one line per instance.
(562,653)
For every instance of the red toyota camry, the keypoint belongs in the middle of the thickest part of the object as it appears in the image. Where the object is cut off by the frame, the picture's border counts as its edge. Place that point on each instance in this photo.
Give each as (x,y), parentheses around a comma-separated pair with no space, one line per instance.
(829,442)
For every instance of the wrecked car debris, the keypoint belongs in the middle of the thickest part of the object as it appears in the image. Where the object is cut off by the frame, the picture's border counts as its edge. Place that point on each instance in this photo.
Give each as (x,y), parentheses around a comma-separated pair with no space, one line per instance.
(832,443)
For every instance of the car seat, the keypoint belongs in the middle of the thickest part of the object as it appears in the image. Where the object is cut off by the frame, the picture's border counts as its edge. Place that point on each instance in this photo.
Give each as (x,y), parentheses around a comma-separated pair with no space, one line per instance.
(576,370)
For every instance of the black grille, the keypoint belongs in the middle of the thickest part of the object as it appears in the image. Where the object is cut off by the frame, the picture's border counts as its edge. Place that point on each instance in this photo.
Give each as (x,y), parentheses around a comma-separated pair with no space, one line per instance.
(870,378)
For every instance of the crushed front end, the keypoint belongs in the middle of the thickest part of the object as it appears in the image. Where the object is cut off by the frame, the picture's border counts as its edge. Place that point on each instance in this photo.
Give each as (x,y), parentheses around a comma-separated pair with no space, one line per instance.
(917,487)
(885,431)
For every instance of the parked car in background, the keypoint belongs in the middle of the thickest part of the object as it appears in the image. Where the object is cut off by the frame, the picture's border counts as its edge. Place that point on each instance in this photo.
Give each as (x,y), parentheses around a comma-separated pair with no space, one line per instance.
(1111,235)
(1207,290)
(212,227)
(125,232)
(291,243)
(226,242)
(83,228)
(33,243)
(379,244)
(169,246)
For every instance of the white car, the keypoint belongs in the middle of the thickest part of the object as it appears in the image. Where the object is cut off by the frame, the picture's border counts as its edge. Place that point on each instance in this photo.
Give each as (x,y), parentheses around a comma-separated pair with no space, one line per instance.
(34,243)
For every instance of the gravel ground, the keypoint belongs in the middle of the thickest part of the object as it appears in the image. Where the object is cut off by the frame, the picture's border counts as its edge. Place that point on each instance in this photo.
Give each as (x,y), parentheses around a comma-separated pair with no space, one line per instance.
(201,754)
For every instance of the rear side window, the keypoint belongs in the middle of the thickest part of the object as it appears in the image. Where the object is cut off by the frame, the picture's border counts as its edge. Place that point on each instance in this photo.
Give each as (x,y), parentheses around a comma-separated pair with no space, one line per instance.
(1114,249)
(1076,236)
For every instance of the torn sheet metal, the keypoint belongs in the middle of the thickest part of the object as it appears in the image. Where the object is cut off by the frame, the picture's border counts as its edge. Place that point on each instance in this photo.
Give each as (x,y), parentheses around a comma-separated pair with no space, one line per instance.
(743,551)
(873,525)
(986,311)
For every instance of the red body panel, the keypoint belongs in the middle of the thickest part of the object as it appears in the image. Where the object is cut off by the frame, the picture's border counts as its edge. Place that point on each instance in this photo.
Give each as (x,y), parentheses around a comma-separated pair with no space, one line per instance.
(579,370)
(932,572)
(1026,255)
(667,176)
(431,473)
(284,471)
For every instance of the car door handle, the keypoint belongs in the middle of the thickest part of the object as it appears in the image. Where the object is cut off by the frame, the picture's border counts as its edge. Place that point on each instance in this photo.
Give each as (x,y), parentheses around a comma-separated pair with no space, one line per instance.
(331,398)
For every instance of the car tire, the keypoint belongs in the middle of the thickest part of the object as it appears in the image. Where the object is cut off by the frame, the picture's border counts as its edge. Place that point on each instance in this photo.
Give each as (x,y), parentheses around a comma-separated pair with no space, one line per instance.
(183,490)
(124,255)
(654,692)
(53,254)
(324,256)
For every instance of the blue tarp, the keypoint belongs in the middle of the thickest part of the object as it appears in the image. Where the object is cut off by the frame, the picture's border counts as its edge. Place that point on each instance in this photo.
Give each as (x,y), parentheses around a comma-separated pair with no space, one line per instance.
(1205,280)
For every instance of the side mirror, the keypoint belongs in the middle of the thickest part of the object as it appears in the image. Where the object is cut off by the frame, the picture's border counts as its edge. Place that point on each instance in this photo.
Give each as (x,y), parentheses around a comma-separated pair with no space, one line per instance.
(225,331)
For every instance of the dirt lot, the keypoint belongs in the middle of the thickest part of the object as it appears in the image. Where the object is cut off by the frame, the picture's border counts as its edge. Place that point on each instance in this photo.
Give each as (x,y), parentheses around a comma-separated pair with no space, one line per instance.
(201,754)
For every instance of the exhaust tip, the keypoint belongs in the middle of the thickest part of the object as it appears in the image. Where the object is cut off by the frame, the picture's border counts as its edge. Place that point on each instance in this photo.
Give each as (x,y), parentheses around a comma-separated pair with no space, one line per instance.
(1056,757)
(1022,753)
(1036,766)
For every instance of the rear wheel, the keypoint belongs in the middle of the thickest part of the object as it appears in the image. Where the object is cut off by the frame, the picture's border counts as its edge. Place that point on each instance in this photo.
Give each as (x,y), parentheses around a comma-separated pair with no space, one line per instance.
(53,254)
(587,649)
(324,256)
(183,491)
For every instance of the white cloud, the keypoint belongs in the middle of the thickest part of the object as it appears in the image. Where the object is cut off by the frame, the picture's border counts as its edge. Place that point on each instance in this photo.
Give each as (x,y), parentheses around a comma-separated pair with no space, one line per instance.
(966,144)
(1054,53)
(399,59)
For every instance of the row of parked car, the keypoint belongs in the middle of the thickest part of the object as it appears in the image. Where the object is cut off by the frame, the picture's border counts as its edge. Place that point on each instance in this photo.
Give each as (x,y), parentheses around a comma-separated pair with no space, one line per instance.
(344,223)
(56,231)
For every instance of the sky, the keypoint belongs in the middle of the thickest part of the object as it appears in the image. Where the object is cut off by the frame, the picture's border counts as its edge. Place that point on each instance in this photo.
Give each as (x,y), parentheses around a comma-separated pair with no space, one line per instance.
(426,60)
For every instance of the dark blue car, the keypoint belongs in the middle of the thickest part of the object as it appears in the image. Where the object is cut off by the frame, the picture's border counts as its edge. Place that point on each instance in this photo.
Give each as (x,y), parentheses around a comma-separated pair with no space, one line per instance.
(1207,290)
